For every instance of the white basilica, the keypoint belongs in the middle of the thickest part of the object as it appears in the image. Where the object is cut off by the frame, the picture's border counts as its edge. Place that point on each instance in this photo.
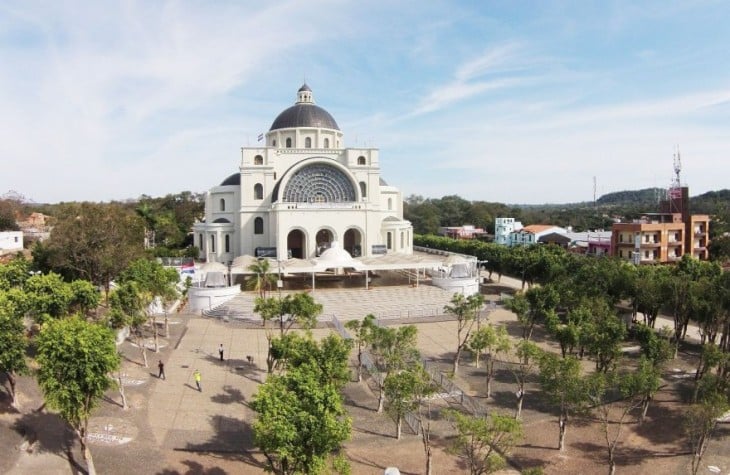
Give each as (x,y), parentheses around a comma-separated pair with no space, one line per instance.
(301,192)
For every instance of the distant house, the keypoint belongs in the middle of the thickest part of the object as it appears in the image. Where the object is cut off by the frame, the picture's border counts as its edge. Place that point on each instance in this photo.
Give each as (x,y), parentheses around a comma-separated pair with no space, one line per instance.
(35,227)
(531,234)
(11,241)
(467,231)
(503,227)
(556,239)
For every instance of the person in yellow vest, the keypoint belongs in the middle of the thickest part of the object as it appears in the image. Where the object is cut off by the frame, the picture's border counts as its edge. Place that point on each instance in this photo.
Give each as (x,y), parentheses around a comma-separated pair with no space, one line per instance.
(197,377)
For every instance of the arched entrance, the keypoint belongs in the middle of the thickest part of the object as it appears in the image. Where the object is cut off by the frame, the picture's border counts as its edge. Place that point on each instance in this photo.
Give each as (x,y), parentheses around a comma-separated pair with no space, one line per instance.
(353,242)
(324,240)
(296,243)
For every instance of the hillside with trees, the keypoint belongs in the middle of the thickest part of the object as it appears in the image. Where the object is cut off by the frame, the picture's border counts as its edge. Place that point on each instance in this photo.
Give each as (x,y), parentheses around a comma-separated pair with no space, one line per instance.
(428,214)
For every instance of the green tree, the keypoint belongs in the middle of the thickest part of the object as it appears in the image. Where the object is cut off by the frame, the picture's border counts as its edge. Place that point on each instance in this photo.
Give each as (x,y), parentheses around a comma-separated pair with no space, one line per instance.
(404,390)
(94,242)
(301,420)
(13,344)
(561,380)
(614,395)
(483,440)
(302,310)
(155,284)
(492,340)
(393,349)
(75,359)
(700,422)
(128,309)
(525,358)
(361,330)
(49,297)
(465,310)
(14,273)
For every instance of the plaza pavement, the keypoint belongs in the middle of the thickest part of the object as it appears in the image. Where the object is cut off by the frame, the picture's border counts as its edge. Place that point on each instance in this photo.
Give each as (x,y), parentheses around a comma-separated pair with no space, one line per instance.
(217,419)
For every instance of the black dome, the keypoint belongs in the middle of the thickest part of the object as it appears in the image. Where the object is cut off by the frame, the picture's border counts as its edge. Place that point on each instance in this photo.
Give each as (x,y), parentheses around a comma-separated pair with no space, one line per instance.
(304,115)
(234,179)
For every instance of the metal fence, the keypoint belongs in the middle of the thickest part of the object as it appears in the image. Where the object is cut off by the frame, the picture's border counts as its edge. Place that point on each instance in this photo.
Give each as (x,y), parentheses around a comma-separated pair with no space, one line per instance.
(470,404)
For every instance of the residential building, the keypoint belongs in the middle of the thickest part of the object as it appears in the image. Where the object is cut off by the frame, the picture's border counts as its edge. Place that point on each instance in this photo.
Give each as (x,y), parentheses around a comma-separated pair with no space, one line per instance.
(11,241)
(666,236)
(467,231)
(531,234)
(503,227)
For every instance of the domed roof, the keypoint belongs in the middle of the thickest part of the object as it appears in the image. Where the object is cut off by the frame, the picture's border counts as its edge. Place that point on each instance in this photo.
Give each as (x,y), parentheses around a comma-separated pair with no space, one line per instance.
(305,113)
(335,256)
(234,179)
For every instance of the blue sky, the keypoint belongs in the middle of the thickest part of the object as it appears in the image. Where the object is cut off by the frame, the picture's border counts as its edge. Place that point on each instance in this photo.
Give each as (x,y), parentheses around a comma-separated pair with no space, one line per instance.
(516,102)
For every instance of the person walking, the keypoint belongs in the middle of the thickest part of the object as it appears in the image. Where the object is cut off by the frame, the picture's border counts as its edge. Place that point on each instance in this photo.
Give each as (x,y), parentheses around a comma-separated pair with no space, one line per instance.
(220,351)
(161,374)
(197,377)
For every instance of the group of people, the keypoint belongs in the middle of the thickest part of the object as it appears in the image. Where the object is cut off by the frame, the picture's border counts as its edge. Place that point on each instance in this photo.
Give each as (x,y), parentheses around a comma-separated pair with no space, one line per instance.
(196,374)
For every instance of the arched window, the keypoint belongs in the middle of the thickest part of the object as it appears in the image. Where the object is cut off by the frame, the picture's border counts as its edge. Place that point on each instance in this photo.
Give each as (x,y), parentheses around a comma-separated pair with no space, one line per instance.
(223,204)
(390,204)
(258,226)
(273,143)
(326,143)
(212,243)
(390,241)
(258,191)
(288,142)
(363,189)
(258,160)
(228,243)
(361,160)
(308,142)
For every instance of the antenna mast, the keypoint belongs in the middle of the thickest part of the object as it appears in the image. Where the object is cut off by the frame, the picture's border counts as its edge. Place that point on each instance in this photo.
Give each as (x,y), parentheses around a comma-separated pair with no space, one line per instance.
(594,191)
(677,169)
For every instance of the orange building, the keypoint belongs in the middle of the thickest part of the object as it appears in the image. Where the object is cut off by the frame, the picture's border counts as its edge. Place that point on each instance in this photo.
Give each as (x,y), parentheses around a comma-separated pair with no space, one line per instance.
(663,237)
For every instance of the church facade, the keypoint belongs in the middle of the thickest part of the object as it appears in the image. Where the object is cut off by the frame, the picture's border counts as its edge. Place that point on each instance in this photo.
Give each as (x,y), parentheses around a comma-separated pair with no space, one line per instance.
(301,192)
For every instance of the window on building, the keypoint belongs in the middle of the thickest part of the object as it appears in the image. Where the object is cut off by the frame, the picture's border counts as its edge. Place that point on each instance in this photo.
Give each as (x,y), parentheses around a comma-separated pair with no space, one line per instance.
(200,241)
(212,243)
(223,204)
(258,159)
(258,226)
(390,241)
(308,142)
(273,143)
(621,239)
(288,142)
(228,243)
(326,143)
(363,189)
(258,191)
(361,160)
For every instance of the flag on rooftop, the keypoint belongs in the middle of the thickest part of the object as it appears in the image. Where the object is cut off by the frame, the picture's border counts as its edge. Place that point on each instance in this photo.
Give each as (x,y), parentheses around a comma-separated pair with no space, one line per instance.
(261,137)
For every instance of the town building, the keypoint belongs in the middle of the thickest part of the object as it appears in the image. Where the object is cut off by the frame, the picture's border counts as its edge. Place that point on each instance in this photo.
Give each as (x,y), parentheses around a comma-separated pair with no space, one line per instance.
(11,241)
(666,236)
(301,191)
(467,231)
(531,234)
(503,227)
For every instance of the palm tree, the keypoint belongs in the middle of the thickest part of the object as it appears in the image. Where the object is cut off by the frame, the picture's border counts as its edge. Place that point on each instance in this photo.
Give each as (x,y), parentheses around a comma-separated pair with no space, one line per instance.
(263,279)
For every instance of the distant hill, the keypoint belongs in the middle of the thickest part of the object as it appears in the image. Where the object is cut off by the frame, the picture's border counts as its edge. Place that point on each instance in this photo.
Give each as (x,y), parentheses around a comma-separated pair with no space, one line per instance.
(647,198)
